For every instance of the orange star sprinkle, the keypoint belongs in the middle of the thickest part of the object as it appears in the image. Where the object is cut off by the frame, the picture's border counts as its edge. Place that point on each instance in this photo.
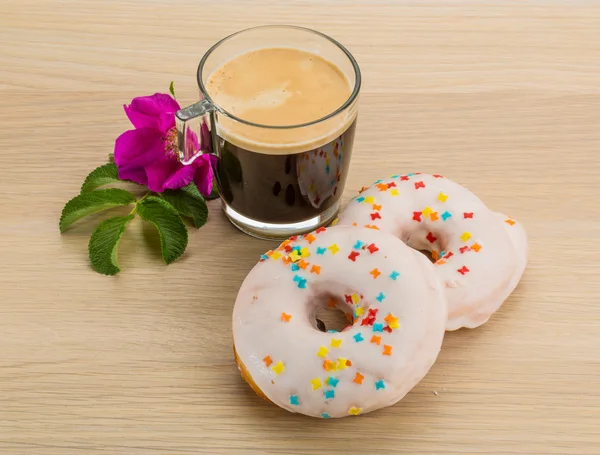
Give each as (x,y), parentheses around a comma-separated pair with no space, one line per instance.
(382,187)
(435,255)
(327,364)
(358,378)
(387,349)
(316,269)
(440,262)
(375,272)
(268,361)
(286,260)
(376,339)
(311,238)
(434,216)
(509,221)
(286,317)
(376,207)
(476,247)
(371,226)
(302,264)
(362,189)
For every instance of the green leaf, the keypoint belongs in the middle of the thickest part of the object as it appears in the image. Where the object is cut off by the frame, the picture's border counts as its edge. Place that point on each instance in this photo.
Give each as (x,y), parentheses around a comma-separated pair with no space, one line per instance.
(214,194)
(104,242)
(173,233)
(188,202)
(100,176)
(172,89)
(93,202)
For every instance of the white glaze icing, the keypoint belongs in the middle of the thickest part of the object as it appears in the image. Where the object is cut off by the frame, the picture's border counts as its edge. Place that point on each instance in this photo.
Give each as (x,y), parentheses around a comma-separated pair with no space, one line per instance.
(429,212)
(273,321)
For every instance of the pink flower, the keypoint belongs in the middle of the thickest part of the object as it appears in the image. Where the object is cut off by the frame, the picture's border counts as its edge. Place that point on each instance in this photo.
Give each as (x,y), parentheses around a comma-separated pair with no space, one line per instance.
(148,154)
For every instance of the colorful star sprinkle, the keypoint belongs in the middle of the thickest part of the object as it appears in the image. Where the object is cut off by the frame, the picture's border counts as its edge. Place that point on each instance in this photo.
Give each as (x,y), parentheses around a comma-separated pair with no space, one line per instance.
(354,411)
(358,379)
(342,363)
(325,415)
(311,238)
(295,256)
(427,211)
(392,321)
(359,312)
(463,270)
(381,297)
(329,394)
(333,382)
(321,250)
(315,269)
(379,384)
(336,343)
(294,400)
(375,272)
(278,368)
(300,281)
(476,247)
(446,215)
(304,252)
(377,327)
(321,229)
(465,236)
(434,216)
(463,249)
(286,317)
(358,245)
(327,365)
(295,267)
(268,361)
(417,216)
(334,248)
(376,207)
(370,200)
(322,352)
(375,216)
(509,221)
(387,349)
(467,215)
(376,339)
(360,199)
(394,275)
(353,255)
(358,337)
(372,248)
(302,264)
(442,197)
(419,185)
(316,383)
(432,238)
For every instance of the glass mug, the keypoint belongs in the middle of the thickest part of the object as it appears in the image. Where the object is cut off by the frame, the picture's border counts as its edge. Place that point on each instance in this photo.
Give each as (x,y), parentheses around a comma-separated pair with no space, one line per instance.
(274,181)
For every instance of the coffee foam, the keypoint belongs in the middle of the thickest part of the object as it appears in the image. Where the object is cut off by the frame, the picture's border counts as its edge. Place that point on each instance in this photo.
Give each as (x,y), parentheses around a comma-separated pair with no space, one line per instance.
(280,87)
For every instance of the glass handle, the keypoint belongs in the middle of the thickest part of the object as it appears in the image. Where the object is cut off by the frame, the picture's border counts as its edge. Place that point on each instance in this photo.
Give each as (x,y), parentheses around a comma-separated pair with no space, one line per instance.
(194,124)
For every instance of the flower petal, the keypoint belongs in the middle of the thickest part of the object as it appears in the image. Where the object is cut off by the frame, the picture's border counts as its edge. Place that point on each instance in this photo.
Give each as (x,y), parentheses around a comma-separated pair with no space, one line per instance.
(203,176)
(138,148)
(135,174)
(146,111)
(168,173)
(180,178)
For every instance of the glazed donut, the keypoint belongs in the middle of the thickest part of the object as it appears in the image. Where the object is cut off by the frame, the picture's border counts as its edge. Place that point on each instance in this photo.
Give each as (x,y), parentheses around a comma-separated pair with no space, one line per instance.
(399,314)
(479,255)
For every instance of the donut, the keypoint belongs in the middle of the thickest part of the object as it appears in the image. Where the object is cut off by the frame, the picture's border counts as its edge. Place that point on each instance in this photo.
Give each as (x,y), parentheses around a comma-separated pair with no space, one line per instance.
(397,311)
(480,255)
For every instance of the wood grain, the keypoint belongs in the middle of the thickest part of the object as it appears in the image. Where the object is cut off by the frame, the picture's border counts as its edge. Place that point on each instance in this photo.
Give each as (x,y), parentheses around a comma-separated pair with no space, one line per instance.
(501,96)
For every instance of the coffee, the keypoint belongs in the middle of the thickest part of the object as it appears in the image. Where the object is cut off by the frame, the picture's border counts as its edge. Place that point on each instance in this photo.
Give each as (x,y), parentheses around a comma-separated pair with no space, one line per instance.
(281,175)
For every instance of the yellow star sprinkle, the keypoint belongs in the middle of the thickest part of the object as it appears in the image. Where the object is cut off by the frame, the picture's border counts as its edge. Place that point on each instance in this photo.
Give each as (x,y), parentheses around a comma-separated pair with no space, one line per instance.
(369,200)
(334,248)
(394,323)
(355,298)
(276,255)
(442,197)
(394,192)
(334,222)
(278,368)
(354,411)
(316,383)
(341,363)
(465,236)
(304,252)
(322,351)
(294,256)
(360,311)
(335,343)
(427,211)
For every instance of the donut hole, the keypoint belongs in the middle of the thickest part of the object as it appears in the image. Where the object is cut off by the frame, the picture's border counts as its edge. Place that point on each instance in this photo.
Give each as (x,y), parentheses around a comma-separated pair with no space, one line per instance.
(335,319)
(421,241)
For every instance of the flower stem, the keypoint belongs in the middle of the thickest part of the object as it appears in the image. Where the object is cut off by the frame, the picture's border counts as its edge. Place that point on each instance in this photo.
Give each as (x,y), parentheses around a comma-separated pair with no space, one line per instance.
(138,201)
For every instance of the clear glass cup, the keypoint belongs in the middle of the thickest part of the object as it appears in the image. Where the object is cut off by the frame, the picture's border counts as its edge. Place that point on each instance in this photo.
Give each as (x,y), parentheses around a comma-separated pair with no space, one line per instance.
(274,181)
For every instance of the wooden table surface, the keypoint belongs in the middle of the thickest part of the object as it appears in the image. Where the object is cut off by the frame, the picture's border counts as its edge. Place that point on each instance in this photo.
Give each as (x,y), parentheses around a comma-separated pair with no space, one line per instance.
(503,97)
